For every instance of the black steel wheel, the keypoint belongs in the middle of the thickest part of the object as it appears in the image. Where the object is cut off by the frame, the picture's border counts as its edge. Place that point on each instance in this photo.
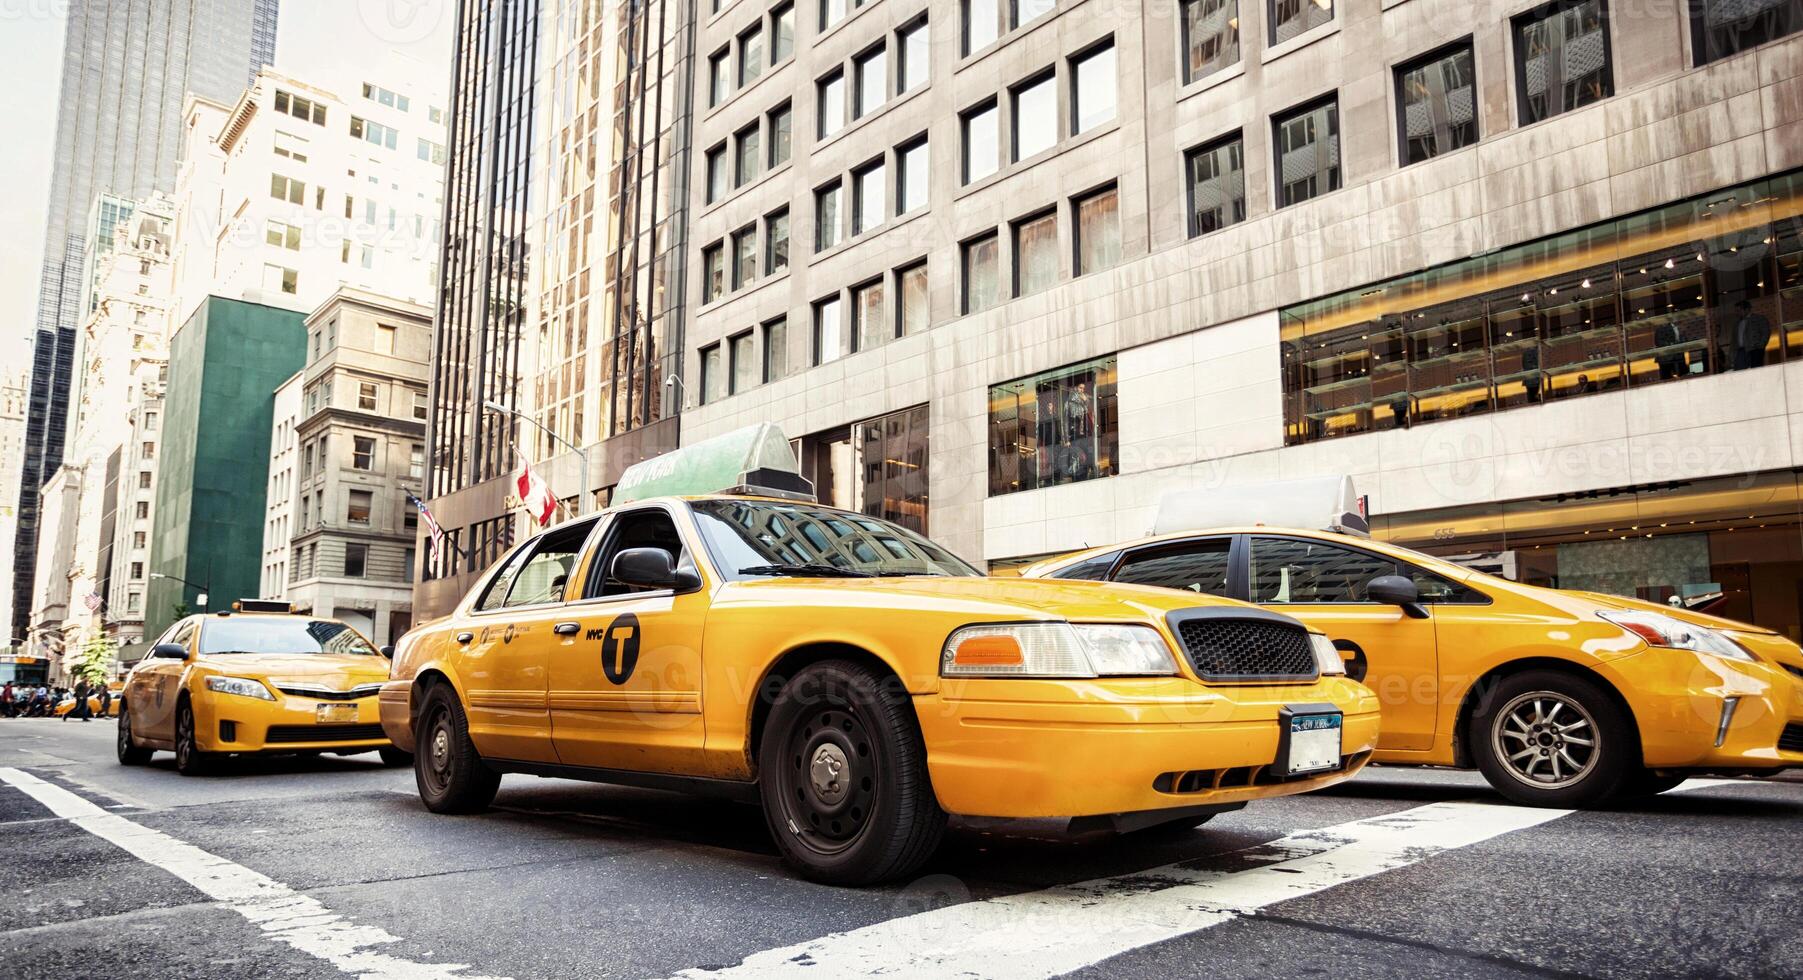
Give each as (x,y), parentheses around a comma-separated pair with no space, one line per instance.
(446,766)
(189,759)
(843,777)
(129,752)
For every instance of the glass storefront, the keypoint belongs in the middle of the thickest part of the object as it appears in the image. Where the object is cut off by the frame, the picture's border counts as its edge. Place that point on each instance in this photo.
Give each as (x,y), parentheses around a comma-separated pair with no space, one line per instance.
(1730,547)
(877,467)
(1704,286)
(1060,426)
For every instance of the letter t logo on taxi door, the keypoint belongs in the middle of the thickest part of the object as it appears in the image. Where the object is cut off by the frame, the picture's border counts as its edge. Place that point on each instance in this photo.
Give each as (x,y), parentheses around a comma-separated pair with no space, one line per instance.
(620,649)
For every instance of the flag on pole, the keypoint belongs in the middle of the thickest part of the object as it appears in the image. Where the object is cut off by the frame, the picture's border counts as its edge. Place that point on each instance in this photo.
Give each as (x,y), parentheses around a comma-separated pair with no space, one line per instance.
(93,600)
(535,495)
(435,542)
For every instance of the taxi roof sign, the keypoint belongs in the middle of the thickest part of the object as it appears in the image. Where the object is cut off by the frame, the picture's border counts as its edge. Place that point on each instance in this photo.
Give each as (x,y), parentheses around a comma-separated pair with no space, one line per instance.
(756,459)
(1326,503)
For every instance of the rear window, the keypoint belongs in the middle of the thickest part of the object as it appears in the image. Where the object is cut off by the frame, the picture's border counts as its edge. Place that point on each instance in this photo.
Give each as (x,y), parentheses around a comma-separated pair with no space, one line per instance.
(281,634)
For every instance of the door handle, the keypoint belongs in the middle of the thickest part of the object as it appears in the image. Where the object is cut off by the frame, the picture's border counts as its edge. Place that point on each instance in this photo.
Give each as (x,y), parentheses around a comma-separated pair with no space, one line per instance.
(566,629)
(465,636)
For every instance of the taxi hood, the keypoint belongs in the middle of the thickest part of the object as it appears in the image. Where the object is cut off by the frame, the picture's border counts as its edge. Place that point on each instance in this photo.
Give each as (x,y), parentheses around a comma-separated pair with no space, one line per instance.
(982,597)
(334,670)
(1606,601)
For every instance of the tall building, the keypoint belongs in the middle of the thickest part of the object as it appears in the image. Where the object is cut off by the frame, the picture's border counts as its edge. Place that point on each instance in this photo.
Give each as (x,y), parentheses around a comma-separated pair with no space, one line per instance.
(278,512)
(485,277)
(301,186)
(126,69)
(1011,272)
(15,388)
(358,450)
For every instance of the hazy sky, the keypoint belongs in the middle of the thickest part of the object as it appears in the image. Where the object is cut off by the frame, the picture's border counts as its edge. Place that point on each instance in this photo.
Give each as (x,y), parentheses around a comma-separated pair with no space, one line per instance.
(316,38)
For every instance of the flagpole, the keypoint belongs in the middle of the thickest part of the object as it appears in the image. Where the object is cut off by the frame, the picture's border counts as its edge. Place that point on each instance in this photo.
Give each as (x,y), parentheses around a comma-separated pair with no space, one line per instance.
(582,497)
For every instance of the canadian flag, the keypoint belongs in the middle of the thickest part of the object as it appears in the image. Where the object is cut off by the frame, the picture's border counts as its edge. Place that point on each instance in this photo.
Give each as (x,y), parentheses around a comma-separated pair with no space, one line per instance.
(535,495)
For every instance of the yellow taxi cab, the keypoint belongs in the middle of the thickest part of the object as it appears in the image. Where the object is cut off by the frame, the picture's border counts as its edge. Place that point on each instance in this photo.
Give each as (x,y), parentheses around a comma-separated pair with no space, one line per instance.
(855,679)
(67,704)
(256,680)
(1559,698)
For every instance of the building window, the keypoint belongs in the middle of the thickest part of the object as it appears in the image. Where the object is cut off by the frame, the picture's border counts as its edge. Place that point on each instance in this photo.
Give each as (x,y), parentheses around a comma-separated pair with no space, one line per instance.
(982,275)
(782,32)
(869,203)
(1211,37)
(366,396)
(744,256)
(1436,103)
(1098,231)
(416,461)
(137,569)
(356,506)
(409,516)
(829,334)
(911,186)
(719,81)
(419,405)
(363,452)
(374,132)
(779,135)
(713,273)
(1093,91)
(869,328)
(826,217)
(290,146)
(776,242)
(832,12)
(1719,28)
(831,90)
(150,421)
(1217,185)
(915,64)
(751,55)
(283,235)
(913,309)
(981,138)
(1308,152)
(716,173)
(300,108)
(144,479)
(1035,108)
(1025,12)
(742,365)
(982,24)
(1035,254)
(139,539)
(776,350)
(287,189)
(870,73)
(713,377)
(1290,18)
(745,156)
(142,511)
(279,279)
(385,337)
(1562,59)
(356,559)
(1053,428)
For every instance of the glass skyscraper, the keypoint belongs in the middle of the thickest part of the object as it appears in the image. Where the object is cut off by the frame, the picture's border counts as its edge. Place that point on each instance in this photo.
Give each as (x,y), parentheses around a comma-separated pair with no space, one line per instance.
(126,69)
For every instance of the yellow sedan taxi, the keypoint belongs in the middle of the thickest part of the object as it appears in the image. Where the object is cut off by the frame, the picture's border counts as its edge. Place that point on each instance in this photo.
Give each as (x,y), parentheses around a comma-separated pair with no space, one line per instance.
(855,679)
(256,680)
(1560,698)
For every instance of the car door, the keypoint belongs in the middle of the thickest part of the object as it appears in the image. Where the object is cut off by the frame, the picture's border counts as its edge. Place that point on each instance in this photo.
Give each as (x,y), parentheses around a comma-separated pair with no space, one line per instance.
(508,644)
(626,675)
(1323,584)
(158,682)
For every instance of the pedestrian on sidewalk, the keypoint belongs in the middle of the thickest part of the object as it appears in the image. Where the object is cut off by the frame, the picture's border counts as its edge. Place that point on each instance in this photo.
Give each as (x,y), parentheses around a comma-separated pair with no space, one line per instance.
(80,709)
(106,700)
(8,708)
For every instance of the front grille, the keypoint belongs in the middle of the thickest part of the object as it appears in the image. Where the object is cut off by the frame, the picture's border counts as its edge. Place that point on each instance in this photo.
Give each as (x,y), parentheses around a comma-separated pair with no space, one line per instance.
(1791,739)
(323,733)
(1245,648)
(357,693)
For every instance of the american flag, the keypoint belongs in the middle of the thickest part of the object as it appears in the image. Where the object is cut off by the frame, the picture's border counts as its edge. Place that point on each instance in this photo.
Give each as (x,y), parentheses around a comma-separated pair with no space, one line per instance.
(93,600)
(435,549)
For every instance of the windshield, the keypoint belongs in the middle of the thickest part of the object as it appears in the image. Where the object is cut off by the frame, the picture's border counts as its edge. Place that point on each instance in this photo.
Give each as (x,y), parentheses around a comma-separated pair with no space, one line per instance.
(754,538)
(281,634)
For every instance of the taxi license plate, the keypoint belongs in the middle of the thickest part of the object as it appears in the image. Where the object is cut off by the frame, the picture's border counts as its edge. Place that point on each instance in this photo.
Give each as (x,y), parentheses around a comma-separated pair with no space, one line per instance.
(330,713)
(1313,744)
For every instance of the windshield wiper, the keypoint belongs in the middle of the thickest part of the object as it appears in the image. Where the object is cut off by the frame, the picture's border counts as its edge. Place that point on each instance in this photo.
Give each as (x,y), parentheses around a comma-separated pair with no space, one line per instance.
(822,571)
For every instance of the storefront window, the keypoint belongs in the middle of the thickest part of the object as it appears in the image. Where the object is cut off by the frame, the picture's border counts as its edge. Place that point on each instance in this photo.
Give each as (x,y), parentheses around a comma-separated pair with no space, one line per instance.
(1704,286)
(1053,428)
(878,466)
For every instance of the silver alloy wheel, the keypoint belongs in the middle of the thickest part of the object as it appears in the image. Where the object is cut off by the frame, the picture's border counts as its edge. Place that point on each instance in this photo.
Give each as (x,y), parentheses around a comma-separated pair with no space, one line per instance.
(1545,739)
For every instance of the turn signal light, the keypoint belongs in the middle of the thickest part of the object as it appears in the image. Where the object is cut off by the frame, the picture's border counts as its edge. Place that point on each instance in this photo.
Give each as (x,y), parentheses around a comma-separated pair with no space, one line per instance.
(993,650)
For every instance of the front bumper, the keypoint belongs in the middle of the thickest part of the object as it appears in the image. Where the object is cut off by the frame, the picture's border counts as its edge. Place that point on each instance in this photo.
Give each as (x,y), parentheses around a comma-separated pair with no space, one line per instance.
(1049,748)
(1679,700)
(395,703)
(227,723)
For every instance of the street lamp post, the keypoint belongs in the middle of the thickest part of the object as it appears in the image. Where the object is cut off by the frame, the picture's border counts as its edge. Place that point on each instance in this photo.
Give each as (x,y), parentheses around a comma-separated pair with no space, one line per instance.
(202,590)
(582,499)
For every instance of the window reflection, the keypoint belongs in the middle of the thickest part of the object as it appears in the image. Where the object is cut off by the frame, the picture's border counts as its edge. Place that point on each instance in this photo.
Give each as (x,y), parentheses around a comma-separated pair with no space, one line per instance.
(1052,428)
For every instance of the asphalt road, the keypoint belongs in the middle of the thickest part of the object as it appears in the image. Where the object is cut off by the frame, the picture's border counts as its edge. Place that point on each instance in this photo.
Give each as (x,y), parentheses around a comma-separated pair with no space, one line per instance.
(331,868)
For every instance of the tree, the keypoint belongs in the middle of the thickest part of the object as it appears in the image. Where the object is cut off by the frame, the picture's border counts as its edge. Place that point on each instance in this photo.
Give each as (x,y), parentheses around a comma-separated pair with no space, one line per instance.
(94,661)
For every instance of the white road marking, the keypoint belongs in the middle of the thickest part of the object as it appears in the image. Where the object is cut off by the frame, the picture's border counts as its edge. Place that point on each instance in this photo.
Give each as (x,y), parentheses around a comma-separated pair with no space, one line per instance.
(281,912)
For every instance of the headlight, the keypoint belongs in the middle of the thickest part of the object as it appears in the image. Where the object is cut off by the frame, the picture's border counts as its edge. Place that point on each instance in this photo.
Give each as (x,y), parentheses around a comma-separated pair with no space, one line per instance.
(1056,650)
(241,686)
(1660,630)
(1327,656)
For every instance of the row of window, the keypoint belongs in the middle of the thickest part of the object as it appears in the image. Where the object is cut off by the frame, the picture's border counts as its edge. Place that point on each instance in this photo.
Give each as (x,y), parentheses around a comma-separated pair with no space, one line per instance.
(869,78)
(359,508)
(871,193)
(746,250)
(757,148)
(363,457)
(735,366)
(1095,223)
(1034,123)
(741,62)
(356,562)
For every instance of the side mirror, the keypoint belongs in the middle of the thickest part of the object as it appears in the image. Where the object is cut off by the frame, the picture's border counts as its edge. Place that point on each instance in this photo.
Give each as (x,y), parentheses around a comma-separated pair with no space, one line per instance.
(652,568)
(388,651)
(1397,590)
(169,651)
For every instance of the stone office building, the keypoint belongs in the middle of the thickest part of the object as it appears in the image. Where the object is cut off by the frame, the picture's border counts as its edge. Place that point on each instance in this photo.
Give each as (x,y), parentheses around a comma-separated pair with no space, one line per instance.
(1011,271)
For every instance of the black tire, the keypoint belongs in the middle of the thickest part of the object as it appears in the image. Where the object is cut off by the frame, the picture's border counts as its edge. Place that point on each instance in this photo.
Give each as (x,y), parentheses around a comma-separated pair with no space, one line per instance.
(1575,775)
(189,759)
(394,758)
(447,769)
(1644,783)
(843,777)
(130,754)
